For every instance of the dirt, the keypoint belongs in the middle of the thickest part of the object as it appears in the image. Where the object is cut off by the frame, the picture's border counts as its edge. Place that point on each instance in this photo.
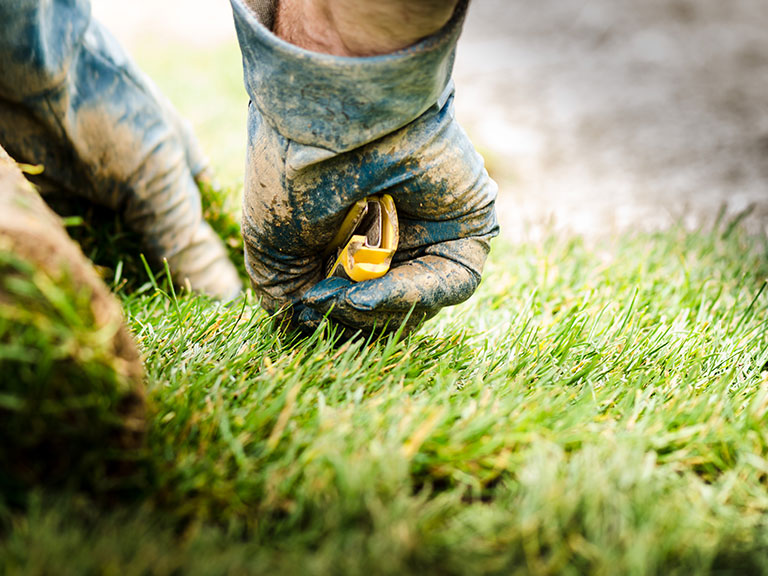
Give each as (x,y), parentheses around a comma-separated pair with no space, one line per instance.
(606,115)
(596,116)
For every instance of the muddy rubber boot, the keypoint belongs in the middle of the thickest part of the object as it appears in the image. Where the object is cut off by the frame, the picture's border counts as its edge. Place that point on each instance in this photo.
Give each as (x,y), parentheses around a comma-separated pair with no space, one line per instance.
(325,132)
(72,409)
(72,101)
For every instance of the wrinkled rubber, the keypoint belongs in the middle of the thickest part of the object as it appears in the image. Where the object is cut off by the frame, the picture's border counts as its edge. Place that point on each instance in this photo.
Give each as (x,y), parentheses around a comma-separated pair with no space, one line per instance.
(73,101)
(326,131)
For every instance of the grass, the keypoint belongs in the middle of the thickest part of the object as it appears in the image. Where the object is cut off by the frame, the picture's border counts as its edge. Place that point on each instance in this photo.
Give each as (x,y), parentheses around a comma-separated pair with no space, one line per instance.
(590,410)
(68,403)
(593,409)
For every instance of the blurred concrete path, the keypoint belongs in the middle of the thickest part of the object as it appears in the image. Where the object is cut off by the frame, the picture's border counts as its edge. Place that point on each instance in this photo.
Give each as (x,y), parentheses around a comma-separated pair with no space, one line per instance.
(596,115)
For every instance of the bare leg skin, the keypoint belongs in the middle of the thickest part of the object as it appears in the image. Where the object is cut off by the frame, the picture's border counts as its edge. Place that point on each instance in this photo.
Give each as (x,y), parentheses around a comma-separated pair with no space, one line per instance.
(360,27)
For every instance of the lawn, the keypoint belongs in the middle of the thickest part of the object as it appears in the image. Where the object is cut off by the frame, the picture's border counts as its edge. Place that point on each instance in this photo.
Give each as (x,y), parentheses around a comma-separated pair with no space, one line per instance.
(596,408)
